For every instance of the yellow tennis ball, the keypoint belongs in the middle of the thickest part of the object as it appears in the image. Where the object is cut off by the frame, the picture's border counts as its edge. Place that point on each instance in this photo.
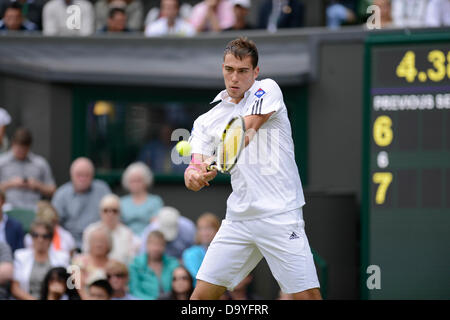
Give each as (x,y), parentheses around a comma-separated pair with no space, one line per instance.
(184,148)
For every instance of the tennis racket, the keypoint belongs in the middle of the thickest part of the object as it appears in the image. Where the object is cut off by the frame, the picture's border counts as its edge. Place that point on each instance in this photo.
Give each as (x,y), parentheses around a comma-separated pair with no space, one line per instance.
(230,146)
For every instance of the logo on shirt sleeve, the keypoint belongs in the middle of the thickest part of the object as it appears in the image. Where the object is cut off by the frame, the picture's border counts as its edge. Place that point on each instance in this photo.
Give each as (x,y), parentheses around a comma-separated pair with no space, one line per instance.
(260,93)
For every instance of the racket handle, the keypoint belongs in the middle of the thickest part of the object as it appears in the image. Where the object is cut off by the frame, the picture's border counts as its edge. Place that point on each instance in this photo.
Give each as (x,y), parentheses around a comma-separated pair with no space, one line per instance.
(212,166)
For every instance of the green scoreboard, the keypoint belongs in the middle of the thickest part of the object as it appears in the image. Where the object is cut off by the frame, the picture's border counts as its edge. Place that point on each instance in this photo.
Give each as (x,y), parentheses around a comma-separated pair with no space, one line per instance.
(406,167)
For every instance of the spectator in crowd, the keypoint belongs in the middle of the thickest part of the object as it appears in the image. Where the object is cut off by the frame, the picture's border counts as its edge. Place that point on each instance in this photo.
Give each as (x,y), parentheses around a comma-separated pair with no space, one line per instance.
(408,13)
(341,12)
(182,285)
(13,19)
(139,207)
(117,21)
(24,176)
(55,287)
(212,15)
(6,270)
(100,290)
(57,20)
(278,14)
(124,243)
(151,272)
(133,10)
(178,231)
(62,239)
(117,274)
(170,23)
(438,13)
(11,231)
(31,10)
(78,200)
(207,226)
(93,263)
(31,265)
(241,9)
(154,12)
(5,119)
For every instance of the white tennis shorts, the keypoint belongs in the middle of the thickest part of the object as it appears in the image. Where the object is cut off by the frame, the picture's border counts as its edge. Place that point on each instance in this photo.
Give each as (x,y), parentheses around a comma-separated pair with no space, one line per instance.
(239,246)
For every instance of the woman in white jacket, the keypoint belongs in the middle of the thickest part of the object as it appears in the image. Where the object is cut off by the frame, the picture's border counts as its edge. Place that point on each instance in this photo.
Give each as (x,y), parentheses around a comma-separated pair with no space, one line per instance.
(32,264)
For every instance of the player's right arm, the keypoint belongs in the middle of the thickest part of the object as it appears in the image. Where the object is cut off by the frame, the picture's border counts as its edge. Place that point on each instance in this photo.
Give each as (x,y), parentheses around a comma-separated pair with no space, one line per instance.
(196,176)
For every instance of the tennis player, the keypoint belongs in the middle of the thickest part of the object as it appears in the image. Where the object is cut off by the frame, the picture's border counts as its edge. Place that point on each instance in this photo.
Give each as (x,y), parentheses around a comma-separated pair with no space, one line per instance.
(264,212)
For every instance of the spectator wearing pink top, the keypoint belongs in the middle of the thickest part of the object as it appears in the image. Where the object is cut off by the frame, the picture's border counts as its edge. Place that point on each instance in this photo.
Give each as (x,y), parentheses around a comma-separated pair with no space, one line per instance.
(212,15)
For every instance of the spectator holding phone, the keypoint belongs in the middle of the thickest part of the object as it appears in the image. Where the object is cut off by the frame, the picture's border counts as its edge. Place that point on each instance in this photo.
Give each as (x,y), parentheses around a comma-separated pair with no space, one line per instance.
(25,177)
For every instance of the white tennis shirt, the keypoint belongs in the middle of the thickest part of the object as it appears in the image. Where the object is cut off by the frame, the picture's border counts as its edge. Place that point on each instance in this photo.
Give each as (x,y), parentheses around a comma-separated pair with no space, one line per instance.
(265,180)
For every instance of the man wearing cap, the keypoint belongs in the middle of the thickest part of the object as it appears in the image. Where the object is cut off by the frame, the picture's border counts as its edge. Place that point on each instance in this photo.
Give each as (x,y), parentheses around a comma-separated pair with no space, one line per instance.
(241,9)
(178,231)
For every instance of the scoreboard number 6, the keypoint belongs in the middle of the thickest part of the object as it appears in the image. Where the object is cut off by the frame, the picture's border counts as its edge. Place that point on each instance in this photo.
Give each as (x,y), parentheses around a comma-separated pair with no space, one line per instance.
(382,131)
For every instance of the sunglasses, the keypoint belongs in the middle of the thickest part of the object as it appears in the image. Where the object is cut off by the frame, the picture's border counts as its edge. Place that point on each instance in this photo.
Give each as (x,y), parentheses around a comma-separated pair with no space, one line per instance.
(113,210)
(45,236)
(117,275)
(180,278)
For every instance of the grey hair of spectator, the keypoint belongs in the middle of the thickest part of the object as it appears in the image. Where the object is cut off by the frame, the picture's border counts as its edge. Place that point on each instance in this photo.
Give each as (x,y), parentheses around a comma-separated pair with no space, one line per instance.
(140,167)
(108,199)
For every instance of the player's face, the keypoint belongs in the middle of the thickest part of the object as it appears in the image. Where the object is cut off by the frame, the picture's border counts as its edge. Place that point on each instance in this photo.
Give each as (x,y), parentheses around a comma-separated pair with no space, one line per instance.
(239,76)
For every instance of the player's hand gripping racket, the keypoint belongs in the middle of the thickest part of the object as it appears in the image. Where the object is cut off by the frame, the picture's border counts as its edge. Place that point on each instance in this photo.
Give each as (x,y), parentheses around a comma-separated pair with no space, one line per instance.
(230,146)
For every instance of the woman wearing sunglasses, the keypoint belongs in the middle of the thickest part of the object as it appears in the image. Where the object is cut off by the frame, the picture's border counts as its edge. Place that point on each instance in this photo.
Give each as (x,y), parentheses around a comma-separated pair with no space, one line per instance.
(32,264)
(117,274)
(124,243)
(182,285)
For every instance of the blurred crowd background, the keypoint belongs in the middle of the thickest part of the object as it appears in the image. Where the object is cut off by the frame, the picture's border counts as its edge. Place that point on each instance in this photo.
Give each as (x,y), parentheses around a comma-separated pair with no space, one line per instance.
(189,17)
(80,241)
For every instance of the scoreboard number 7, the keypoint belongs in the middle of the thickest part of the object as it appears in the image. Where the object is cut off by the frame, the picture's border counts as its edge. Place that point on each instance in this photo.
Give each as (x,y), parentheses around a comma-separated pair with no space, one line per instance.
(384,179)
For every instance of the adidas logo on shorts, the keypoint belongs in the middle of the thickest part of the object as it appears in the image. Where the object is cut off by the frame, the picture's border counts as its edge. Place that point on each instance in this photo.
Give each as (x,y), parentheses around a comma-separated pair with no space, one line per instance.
(293,236)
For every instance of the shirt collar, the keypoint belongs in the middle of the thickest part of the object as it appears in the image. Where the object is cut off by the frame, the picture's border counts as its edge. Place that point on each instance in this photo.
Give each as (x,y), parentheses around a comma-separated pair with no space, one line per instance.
(223,95)
(28,157)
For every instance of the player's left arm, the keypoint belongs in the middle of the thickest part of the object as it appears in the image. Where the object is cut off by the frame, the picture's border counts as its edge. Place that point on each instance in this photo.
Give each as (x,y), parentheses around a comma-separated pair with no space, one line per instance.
(253,123)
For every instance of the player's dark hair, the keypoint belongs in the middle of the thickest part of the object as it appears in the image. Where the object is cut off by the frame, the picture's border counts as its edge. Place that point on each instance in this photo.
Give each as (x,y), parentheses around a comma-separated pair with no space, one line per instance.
(241,48)
(114,11)
(103,284)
